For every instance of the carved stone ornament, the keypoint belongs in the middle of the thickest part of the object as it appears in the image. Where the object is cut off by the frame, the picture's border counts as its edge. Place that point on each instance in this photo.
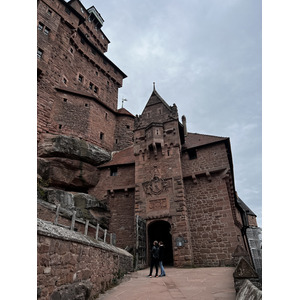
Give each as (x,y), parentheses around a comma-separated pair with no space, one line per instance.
(155,186)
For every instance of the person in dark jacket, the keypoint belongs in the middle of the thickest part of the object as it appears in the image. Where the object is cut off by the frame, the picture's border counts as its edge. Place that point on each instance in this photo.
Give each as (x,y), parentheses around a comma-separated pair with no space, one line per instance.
(154,259)
(161,258)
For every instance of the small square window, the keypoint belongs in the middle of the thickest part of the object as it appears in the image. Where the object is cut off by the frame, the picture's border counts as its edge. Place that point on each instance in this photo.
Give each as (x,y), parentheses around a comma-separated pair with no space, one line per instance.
(127,126)
(65,99)
(80,78)
(40,53)
(113,171)
(49,12)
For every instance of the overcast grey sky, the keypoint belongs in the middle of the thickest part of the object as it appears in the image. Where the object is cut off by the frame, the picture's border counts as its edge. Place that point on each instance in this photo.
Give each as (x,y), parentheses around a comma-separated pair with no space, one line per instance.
(205,56)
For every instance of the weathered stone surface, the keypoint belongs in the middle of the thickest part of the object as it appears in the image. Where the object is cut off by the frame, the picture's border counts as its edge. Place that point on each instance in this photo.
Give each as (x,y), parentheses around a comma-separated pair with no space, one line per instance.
(249,292)
(63,198)
(89,207)
(67,173)
(87,201)
(75,291)
(244,270)
(70,147)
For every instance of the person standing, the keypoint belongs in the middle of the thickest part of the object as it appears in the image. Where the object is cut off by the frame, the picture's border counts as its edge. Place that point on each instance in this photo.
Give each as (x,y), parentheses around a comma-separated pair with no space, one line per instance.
(161,258)
(154,259)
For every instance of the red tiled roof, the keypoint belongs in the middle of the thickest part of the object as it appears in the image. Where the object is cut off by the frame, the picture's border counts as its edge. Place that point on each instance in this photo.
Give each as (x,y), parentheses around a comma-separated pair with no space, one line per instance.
(124,111)
(123,157)
(196,140)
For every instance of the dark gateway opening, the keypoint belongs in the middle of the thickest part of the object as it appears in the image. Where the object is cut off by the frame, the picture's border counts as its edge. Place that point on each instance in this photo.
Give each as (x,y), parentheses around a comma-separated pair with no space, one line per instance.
(160,231)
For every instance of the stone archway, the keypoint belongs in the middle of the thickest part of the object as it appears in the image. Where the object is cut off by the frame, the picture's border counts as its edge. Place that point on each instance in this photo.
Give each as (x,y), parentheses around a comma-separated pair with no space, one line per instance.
(160,231)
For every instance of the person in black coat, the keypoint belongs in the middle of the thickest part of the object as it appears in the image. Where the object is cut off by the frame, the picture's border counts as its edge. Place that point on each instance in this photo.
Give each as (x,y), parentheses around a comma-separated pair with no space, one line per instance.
(154,259)
(161,258)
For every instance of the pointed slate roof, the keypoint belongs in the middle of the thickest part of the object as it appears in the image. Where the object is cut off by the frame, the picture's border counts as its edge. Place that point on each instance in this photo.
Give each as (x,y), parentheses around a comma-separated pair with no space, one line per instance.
(243,205)
(155,98)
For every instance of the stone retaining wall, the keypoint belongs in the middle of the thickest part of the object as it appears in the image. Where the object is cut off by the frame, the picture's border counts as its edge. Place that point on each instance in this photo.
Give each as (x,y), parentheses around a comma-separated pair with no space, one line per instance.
(73,266)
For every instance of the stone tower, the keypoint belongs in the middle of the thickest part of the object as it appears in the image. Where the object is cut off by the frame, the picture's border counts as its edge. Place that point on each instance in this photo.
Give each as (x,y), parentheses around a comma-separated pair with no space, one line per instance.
(159,193)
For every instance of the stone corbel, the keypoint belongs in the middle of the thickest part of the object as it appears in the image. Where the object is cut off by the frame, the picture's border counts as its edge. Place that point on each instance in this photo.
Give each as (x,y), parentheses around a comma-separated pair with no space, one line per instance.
(224,174)
(208,176)
(194,178)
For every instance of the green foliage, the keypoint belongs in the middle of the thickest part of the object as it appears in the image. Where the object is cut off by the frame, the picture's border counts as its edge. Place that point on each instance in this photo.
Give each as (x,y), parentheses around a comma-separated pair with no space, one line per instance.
(41,185)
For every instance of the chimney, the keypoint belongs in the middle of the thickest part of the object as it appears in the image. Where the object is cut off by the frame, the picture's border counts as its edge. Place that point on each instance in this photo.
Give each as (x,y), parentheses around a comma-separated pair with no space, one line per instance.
(184,125)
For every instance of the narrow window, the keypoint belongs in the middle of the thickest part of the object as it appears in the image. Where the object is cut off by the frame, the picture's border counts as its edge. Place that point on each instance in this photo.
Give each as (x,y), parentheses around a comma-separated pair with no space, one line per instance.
(80,78)
(71,50)
(91,86)
(46,31)
(96,73)
(113,171)
(67,11)
(101,136)
(65,81)
(168,152)
(116,141)
(96,89)
(40,26)
(65,99)
(49,12)
(192,154)
(86,105)
(105,116)
(59,126)
(40,53)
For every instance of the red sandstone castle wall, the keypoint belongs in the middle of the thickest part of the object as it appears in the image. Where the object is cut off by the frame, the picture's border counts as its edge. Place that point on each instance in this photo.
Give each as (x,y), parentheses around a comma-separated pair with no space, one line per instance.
(124,132)
(214,234)
(67,56)
(124,179)
(121,207)
(209,158)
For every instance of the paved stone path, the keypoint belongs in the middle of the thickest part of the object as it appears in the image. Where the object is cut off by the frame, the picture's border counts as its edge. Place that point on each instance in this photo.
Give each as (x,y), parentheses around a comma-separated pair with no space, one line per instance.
(196,283)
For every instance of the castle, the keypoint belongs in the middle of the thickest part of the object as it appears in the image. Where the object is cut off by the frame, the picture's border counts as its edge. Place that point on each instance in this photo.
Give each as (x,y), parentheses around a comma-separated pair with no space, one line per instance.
(158,181)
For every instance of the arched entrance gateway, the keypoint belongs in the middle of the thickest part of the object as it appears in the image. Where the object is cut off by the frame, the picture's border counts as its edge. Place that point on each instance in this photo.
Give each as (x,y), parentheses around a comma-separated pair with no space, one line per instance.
(160,231)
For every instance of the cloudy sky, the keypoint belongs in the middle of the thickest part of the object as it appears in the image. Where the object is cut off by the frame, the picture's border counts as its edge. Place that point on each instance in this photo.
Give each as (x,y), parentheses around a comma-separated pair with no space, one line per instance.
(205,56)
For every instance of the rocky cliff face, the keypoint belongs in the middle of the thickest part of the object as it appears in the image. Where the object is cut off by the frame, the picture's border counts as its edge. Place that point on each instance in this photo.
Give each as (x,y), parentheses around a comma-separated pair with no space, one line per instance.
(67,169)
(69,163)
